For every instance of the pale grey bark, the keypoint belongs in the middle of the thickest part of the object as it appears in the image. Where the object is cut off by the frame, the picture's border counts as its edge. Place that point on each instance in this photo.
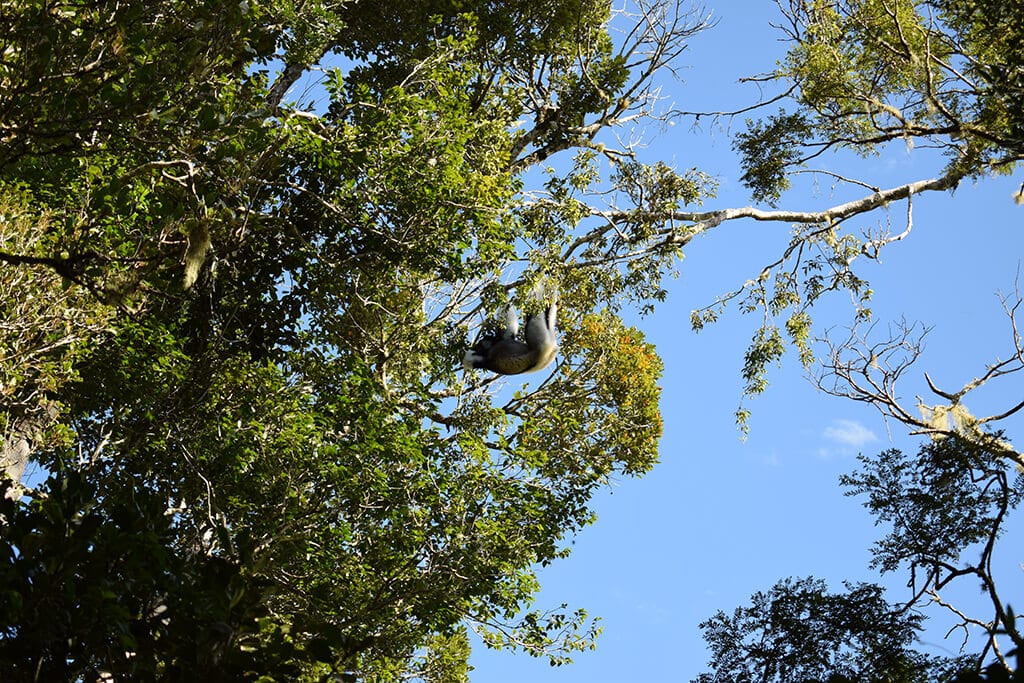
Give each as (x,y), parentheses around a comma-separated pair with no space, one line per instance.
(16,446)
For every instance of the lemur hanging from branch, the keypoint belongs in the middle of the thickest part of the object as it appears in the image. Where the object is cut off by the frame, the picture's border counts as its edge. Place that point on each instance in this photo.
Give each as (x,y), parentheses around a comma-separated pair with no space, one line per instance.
(503,353)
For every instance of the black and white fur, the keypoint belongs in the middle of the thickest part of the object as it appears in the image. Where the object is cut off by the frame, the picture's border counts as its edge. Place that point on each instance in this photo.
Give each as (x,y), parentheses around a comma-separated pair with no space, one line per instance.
(503,353)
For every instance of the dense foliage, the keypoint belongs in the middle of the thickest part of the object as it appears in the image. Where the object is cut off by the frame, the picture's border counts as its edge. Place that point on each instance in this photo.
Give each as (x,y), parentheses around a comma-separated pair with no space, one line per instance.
(232,320)
(799,632)
(243,246)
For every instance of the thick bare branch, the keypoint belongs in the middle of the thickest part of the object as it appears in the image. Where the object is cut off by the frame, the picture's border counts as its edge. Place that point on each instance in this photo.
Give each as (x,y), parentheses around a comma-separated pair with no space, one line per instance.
(705,220)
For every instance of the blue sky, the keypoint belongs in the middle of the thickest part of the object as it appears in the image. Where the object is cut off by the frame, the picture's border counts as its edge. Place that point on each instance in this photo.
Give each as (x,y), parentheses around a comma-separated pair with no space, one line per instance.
(721,518)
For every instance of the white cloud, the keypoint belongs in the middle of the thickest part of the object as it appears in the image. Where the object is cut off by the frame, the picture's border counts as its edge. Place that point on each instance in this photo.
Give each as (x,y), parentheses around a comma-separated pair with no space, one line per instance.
(849,433)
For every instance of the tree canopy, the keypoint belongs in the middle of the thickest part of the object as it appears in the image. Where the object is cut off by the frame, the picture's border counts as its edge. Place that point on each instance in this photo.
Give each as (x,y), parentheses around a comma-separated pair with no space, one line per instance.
(235,319)
(232,308)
